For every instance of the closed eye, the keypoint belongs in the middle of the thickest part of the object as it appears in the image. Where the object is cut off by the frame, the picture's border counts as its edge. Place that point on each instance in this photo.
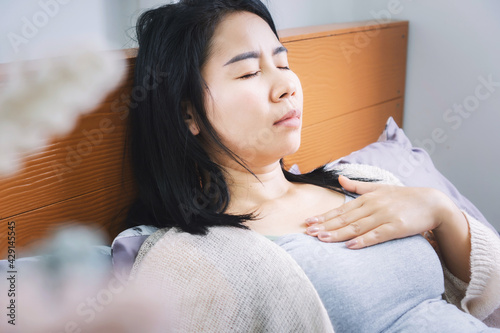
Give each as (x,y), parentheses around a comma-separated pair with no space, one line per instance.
(248,76)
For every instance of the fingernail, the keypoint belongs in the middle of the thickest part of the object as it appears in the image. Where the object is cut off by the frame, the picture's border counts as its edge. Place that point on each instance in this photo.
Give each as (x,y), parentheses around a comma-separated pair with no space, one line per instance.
(314,228)
(312,220)
(324,234)
(351,243)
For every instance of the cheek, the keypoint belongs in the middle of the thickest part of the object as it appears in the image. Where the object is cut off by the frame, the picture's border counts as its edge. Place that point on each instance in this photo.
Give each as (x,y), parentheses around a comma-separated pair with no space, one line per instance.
(238,112)
(299,93)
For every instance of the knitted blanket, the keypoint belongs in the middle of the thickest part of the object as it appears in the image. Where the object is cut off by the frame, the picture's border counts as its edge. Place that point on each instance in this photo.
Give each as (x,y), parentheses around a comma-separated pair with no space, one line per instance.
(231,280)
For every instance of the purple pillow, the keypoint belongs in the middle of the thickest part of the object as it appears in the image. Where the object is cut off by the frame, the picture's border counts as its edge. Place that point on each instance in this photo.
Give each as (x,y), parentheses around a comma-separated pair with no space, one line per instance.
(126,246)
(413,166)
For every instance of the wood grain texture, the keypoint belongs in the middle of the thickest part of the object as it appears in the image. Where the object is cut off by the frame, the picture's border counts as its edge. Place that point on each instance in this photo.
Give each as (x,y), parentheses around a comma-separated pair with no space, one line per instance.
(83,162)
(336,81)
(87,159)
(351,85)
(332,29)
(102,209)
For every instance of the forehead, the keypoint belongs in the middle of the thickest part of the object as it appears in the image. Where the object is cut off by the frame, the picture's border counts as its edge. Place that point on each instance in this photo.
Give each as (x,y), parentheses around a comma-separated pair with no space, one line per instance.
(242,32)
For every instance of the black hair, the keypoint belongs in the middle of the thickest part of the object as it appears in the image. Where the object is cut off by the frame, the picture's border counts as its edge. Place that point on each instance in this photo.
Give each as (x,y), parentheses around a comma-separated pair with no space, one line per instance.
(178,184)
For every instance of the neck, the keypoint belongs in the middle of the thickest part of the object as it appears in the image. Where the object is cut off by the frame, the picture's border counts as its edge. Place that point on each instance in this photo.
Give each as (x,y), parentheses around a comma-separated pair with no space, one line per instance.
(248,193)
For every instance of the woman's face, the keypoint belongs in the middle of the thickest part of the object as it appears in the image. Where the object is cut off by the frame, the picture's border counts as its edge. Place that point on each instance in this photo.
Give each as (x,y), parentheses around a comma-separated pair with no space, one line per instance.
(250,89)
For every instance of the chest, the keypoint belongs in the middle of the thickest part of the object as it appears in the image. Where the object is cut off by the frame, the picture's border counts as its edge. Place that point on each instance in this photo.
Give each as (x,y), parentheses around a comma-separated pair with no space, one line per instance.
(380,283)
(288,215)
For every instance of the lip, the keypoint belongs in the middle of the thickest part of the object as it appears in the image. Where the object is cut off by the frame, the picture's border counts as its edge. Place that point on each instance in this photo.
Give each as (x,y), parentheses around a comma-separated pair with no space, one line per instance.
(291,118)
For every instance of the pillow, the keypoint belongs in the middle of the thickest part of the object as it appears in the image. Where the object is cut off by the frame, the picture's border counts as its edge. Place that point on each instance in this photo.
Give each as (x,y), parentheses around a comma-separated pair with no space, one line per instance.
(393,152)
(413,166)
(96,253)
(125,247)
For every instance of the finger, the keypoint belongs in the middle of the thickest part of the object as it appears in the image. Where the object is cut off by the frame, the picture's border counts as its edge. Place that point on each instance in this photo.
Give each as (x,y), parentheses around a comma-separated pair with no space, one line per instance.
(350,231)
(381,234)
(345,208)
(339,221)
(358,187)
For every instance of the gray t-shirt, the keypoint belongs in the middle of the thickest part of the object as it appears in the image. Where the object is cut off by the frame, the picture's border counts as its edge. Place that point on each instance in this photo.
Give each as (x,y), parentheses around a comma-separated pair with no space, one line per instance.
(395,286)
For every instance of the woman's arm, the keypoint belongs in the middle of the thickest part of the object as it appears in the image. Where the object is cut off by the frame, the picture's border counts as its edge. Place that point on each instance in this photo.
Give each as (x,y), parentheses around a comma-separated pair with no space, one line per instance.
(453,238)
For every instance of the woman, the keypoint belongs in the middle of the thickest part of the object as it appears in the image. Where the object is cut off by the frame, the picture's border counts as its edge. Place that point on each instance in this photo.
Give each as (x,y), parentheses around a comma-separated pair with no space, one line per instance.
(197,168)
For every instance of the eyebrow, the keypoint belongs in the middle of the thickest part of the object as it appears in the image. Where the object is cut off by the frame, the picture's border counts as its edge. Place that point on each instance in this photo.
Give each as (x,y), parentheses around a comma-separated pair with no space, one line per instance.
(254,55)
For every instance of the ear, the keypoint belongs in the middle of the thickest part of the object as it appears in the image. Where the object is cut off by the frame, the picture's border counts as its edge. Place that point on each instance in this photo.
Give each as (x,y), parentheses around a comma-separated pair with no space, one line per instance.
(189,119)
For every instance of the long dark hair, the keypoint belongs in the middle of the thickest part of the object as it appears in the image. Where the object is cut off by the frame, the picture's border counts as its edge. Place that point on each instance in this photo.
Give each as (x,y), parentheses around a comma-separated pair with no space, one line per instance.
(178,184)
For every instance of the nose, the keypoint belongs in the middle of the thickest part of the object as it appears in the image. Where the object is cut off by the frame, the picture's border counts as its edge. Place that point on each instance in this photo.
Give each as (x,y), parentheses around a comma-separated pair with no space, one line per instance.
(283,88)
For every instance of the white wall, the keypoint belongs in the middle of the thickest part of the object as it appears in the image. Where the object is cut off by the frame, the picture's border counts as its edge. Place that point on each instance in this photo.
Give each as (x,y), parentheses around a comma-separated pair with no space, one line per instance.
(37,28)
(451,45)
(121,16)
(300,13)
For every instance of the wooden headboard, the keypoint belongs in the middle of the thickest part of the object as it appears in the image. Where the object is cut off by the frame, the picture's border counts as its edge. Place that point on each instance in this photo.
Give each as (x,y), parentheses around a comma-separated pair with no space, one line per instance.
(353,77)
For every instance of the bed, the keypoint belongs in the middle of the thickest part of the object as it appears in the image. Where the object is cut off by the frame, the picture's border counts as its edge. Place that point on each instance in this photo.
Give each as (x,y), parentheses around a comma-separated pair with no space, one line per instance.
(353,76)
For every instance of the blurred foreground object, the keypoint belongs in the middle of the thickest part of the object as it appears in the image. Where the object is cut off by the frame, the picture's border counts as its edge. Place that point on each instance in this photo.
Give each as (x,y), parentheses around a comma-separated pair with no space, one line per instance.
(44,98)
(69,287)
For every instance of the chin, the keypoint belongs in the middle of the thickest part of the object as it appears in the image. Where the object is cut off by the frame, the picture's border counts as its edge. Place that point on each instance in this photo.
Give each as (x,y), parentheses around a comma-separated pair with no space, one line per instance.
(292,148)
